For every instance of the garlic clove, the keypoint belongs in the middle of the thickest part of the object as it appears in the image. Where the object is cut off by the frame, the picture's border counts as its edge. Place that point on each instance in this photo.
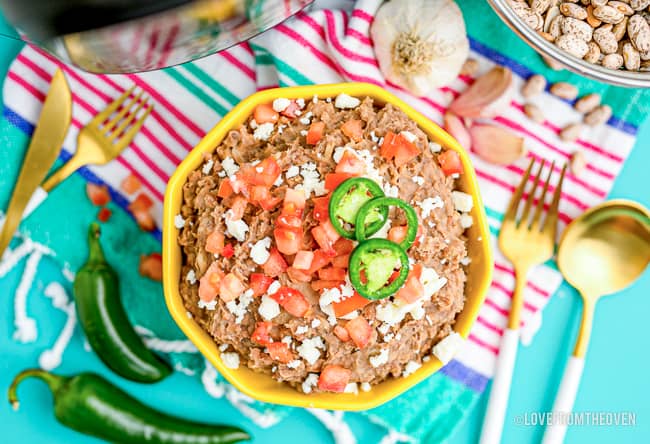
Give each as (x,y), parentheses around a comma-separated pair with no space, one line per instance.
(496,145)
(487,96)
(455,126)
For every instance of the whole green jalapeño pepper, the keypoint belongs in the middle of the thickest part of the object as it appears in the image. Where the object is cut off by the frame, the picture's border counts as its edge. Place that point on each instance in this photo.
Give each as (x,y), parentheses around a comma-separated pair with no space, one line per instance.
(90,404)
(107,327)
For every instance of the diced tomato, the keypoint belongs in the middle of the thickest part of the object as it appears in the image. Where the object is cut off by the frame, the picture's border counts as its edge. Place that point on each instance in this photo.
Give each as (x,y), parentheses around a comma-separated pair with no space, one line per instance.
(298,275)
(239,185)
(262,333)
(353,129)
(450,163)
(303,260)
(288,240)
(292,300)
(141,202)
(265,114)
(341,333)
(237,208)
(294,201)
(416,270)
(350,164)
(262,197)
(279,351)
(343,246)
(210,282)
(225,189)
(333,180)
(397,234)
(144,219)
(230,287)
(334,378)
(264,173)
(321,208)
(360,331)
(270,204)
(130,184)
(398,147)
(260,283)
(104,214)
(214,242)
(289,222)
(319,260)
(322,239)
(341,261)
(275,265)
(331,233)
(325,285)
(98,194)
(411,291)
(418,235)
(290,111)
(151,266)
(332,274)
(315,133)
(348,305)
(228,251)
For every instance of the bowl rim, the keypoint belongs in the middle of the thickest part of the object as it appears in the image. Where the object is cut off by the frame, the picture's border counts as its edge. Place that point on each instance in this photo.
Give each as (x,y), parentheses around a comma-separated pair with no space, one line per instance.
(629,79)
(171,250)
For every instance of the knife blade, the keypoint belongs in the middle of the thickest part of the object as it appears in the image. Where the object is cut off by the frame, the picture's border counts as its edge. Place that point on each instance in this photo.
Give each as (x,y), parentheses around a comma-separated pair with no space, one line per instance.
(43,150)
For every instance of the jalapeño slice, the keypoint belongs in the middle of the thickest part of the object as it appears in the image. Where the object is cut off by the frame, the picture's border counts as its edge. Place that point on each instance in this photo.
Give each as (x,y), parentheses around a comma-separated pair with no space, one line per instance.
(346,201)
(372,268)
(381,205)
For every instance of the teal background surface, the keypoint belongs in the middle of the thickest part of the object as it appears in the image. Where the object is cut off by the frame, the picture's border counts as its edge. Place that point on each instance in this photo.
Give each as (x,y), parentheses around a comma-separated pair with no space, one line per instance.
(615,377)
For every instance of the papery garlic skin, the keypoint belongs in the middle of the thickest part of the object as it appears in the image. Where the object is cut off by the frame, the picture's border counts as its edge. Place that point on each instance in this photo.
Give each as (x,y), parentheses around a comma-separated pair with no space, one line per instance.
(420,44)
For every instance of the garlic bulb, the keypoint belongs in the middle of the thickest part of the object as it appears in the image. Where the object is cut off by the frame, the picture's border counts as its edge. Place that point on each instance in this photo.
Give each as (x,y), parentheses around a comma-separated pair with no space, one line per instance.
(420,44)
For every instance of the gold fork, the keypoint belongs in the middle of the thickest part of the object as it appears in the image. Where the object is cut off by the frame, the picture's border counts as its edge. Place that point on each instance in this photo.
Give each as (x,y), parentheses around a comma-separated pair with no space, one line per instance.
(98,143)
(526,241)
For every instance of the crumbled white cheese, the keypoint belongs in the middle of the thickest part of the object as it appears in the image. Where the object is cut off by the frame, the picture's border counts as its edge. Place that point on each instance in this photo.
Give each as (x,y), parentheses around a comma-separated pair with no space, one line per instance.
(240,308)
(264,131)
(391,190)
(235,228)
(309,349)
(409,136)
(260,251)
(419,180)
(191,277)
(281,104)
(273,288)
(293,171)
(207,167)
(315,323)
(411,367)
(328,100)
(429,204)
(417,313)
(435,147)
(389,337)
(268,308)
(314,99)
(455,175)
(253,124)
(221,173)
(373,136)
(394,312)
(344,101)
(366,387)
(305,120)
(223,347)
(278,181)
(447,348)
(466,221)
(281,128)
(431,281)
(351,387)
(208,305)
(383,328)
(311,180)
(294,364)
(429,320)
(352,315)
(304,133)
(230,360)
(379,359)
(259,170)
(189,315)
(330,295)
(310,381)
(287,340)
(329,311)
(179,222)
(309,115)
(465,261)
(229,166)
(302,329)
(300,102)
(462,201)
(443,261)
(426,358)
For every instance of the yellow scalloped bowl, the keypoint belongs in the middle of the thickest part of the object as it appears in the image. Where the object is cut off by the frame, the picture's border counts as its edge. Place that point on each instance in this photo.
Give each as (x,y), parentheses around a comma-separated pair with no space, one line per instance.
(261,386)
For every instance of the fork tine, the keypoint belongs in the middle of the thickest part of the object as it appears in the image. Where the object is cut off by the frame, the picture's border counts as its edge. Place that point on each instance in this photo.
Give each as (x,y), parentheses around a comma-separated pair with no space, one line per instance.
(125,109)
(127,121)
(130,134)
(551,218)
(531,196)
(110,109)
(511,212)
(540,205)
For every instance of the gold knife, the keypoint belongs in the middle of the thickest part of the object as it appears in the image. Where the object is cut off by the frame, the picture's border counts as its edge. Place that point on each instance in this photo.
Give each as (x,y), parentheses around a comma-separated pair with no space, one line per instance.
(43,150)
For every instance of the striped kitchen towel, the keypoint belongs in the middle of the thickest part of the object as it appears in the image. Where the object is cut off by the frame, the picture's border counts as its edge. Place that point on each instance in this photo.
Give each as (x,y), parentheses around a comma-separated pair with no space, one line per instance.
(331,43)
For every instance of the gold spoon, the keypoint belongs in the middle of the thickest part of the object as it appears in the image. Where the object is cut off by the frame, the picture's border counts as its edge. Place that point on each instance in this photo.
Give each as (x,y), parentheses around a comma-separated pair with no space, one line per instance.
(600,253)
